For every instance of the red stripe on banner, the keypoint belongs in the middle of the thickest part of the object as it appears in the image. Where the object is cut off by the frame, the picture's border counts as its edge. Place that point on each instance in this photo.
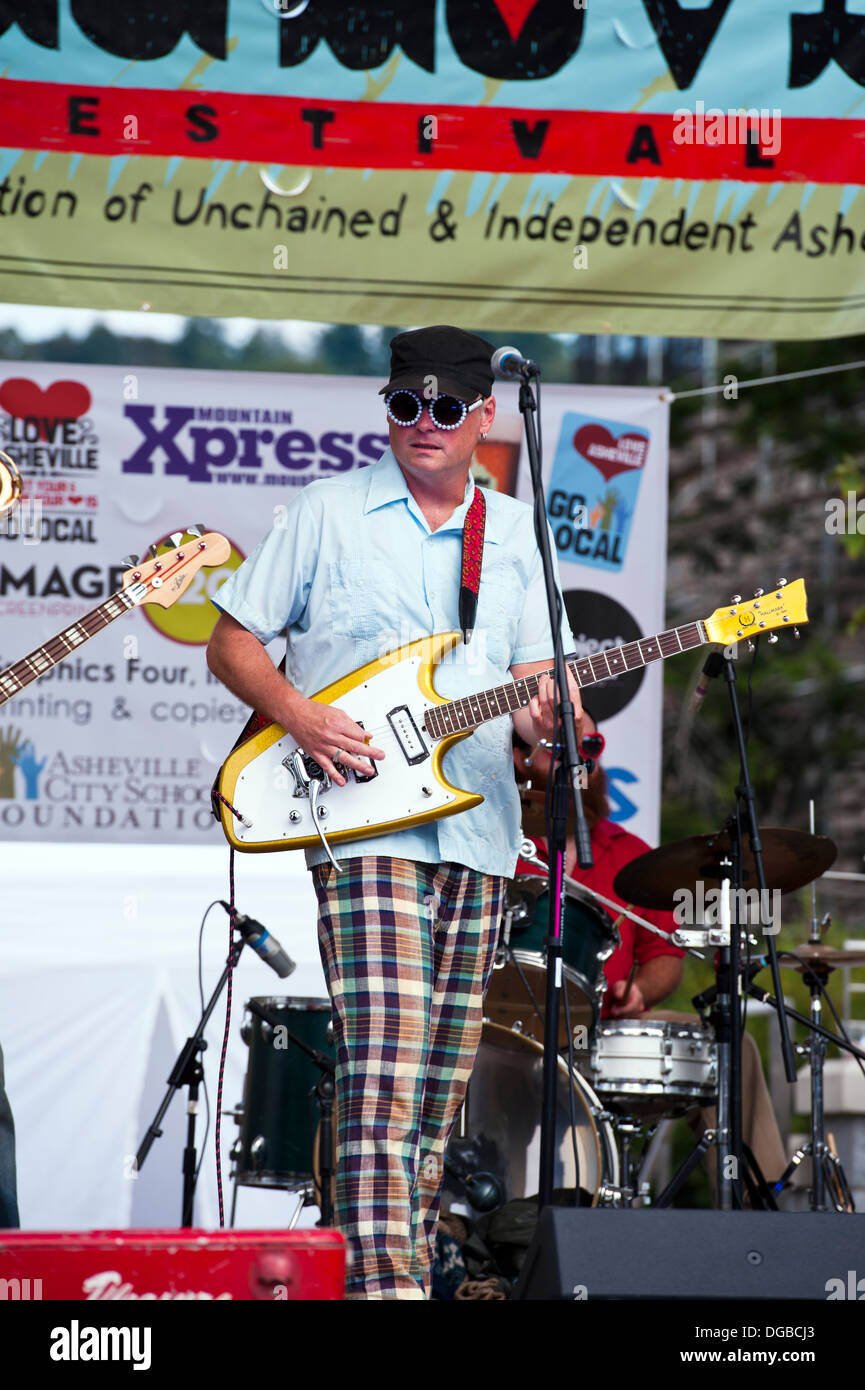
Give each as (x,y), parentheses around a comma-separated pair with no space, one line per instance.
(397,135)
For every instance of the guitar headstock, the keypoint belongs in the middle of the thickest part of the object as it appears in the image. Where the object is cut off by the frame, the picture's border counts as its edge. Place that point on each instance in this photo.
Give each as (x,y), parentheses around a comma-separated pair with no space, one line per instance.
(784,606)
(174,563)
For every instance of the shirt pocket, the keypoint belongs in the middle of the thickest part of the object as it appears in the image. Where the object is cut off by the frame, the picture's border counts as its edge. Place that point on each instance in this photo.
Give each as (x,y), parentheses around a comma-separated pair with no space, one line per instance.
(352,600)
(500,605)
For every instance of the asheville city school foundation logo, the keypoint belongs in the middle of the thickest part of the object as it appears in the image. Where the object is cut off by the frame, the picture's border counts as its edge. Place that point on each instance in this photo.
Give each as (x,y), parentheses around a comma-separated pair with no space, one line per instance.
(18,754)
(593,490)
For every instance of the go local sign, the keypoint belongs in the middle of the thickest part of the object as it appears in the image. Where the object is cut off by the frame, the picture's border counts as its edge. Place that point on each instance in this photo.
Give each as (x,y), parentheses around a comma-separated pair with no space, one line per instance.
(625,165)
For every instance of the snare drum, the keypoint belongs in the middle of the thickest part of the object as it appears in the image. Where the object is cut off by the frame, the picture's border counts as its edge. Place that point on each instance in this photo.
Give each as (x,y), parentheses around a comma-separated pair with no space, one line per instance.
(652,1067)
(280,1113)
(588,940)
(502,1116)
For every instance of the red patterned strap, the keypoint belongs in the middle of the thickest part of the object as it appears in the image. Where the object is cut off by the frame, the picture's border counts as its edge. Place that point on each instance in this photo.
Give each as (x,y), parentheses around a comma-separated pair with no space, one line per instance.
(473,555)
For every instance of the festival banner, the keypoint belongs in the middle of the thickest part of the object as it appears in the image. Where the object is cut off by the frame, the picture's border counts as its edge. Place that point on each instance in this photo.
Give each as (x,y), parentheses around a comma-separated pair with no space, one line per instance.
(639,166)
(121,740)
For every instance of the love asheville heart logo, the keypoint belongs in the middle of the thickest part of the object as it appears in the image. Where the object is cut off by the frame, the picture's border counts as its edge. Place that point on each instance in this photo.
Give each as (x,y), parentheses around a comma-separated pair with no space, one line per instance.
(610,454)
(62,400)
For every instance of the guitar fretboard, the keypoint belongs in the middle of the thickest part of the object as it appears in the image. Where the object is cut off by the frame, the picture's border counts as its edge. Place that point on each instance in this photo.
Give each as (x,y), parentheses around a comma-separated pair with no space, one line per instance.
(31,667)
(457,716)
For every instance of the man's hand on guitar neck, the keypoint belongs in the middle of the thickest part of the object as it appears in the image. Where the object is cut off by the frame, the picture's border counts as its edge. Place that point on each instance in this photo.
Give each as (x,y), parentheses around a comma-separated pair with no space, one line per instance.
(239,660)
(536,720)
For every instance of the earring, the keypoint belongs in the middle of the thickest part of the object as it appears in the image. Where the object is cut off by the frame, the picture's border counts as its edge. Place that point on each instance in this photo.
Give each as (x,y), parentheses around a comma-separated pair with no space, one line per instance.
(484,434)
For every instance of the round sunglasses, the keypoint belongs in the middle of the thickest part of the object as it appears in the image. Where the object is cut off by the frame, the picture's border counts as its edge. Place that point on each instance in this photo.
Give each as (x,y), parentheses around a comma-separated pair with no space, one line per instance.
(446,412)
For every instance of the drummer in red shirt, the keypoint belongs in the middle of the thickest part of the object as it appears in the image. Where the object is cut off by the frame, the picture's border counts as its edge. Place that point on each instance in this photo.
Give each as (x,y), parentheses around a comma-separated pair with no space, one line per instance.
(653,966)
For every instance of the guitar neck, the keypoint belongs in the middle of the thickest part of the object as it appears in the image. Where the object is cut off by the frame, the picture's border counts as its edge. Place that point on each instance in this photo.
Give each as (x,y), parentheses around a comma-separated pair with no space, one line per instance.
(31,667)
(457,716)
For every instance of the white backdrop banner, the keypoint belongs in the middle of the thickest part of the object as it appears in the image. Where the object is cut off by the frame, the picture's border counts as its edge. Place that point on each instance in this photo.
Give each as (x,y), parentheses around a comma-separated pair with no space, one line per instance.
(121,741)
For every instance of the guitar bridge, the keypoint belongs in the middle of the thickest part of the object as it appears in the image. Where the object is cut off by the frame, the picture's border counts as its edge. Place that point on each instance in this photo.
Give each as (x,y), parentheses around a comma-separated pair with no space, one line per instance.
(304,770)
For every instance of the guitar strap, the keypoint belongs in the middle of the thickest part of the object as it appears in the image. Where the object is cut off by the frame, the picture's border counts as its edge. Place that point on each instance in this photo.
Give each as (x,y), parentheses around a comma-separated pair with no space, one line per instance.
(470,582)
(472,561)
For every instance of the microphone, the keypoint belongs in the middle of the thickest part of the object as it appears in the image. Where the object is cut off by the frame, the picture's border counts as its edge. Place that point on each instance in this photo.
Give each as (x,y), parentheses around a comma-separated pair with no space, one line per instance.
(508,362)
(261,941)
(484,1191)
(713,667)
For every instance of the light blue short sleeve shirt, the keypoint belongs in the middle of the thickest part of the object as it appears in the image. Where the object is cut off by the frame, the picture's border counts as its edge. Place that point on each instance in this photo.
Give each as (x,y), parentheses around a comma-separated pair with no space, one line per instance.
(350,570)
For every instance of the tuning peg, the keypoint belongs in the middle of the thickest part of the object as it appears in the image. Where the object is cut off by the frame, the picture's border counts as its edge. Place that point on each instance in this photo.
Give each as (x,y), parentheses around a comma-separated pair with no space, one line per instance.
(758,593)
(198,529)
(129,562)
(796,633)
(175,538)
(773,637)
(153,550)
(779,583)
(735,598)
(751,646)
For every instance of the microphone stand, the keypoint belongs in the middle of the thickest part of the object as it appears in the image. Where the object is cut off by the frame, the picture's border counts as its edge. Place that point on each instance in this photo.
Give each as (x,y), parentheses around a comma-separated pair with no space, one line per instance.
(188,1071)
(745,795)
(566,780)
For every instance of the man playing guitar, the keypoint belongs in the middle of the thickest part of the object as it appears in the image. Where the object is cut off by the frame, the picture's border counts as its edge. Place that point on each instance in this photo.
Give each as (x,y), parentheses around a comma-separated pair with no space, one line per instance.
(408,927)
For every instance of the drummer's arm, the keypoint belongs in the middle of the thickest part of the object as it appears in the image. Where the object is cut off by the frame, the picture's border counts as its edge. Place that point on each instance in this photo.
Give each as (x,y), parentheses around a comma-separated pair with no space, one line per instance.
(653,982)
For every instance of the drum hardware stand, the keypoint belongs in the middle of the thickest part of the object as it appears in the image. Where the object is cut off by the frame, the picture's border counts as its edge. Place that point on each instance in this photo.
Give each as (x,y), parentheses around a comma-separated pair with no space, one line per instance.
(833,1163)
(188,1071)
(826,1168)
(565,788)
(324,1090)
(717,1005)
(629,1170)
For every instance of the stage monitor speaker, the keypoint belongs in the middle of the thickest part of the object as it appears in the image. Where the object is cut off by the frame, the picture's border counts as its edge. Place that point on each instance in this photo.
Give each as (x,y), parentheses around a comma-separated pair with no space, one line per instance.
(593,1253)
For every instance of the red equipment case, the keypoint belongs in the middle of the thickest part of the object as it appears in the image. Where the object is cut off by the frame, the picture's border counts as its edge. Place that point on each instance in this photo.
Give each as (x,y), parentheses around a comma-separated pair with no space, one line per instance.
(172,1264)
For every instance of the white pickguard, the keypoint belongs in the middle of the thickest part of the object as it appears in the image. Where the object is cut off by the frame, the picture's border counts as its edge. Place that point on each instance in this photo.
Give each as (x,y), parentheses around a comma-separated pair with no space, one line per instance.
(264,789)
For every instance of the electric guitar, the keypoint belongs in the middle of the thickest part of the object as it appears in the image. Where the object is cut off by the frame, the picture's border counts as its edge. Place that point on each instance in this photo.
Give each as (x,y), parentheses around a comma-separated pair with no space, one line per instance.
(161,580)
(270,795)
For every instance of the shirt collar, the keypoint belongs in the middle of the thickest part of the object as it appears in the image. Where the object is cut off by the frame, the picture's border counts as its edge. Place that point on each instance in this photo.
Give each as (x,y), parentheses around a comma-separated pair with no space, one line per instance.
(387,484)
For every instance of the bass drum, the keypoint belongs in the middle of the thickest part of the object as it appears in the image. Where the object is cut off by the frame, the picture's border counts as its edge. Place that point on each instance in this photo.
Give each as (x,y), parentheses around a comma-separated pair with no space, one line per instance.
(502,1116)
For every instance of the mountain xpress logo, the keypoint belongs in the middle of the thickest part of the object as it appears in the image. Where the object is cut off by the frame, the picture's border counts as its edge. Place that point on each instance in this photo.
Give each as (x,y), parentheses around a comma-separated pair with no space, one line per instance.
(47,428)
(244,444)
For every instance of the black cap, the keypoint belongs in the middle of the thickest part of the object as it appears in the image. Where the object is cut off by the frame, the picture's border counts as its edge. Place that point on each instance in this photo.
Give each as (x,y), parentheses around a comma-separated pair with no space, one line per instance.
(459,361)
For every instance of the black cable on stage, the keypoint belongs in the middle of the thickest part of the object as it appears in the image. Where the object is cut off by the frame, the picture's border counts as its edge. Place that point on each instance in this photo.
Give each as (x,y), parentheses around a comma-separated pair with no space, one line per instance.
(217,1134)
(215,903)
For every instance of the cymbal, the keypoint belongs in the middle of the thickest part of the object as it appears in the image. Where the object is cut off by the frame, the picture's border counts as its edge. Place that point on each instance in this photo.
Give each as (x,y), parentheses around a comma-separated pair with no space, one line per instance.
(830,957)
(791,858)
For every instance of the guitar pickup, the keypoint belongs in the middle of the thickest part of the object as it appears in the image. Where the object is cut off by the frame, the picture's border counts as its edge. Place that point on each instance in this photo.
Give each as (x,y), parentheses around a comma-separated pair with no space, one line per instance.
(366,777)
(408,735)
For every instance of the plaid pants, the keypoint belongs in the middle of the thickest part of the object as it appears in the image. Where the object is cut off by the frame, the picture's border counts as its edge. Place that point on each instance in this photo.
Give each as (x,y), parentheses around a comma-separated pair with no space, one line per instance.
(407,951)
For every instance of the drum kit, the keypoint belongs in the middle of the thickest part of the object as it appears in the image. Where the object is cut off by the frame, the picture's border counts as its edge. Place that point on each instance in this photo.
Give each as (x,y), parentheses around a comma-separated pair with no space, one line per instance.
(618,1080)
